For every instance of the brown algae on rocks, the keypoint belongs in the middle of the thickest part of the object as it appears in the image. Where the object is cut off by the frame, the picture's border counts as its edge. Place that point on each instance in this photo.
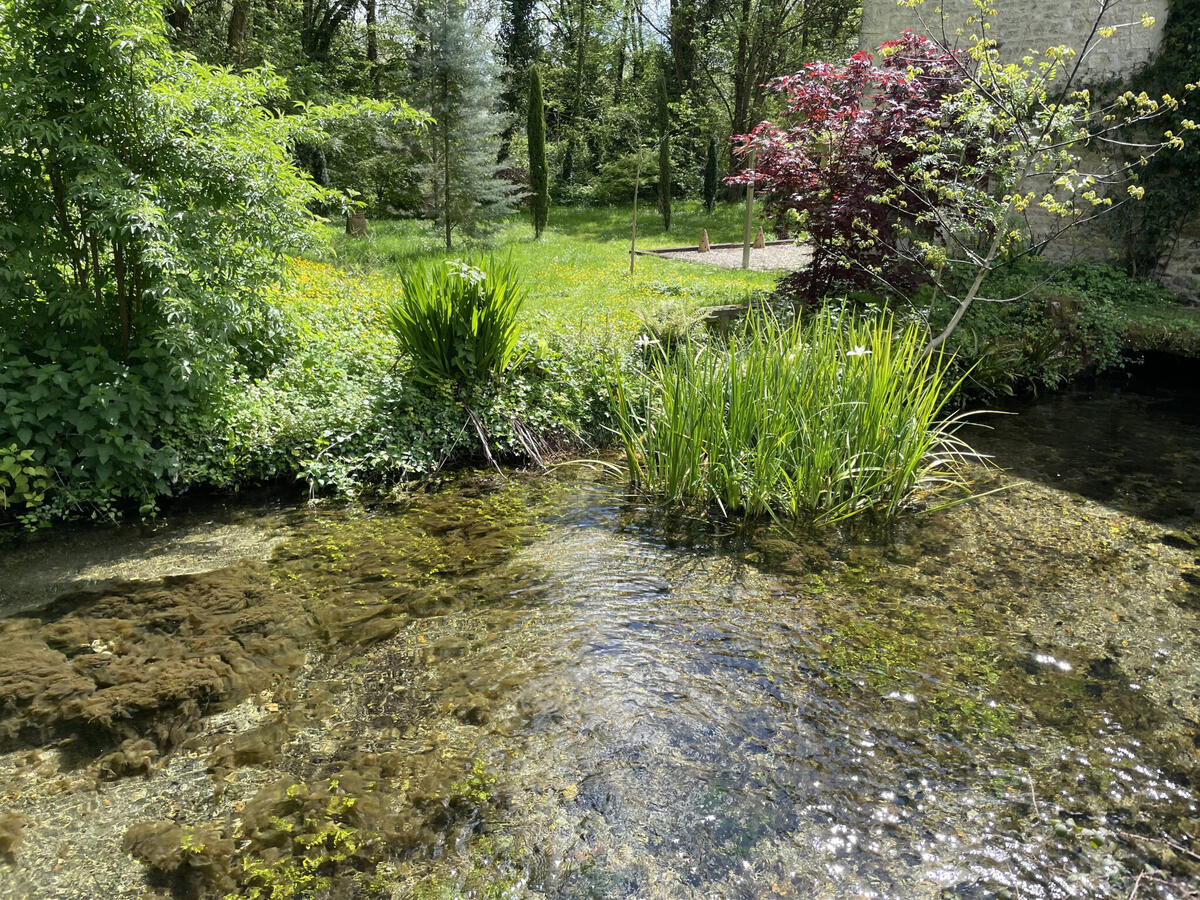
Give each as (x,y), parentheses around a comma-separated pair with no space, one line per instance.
(138,664)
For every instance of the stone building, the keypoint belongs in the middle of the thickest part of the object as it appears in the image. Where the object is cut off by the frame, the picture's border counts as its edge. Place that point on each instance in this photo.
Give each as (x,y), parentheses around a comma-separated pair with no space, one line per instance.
(1024,25)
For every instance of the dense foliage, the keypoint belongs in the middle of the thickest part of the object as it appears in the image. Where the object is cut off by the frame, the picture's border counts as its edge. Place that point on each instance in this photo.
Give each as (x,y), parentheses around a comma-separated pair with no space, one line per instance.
(1070,321)
(343,410)
(137,187)
(599,62)
(146,204)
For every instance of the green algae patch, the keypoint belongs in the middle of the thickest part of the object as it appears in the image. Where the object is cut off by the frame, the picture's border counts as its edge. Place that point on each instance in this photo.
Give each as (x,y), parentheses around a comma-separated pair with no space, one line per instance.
(292,839)
(363,575)
(903,652)
(366,581)
(334,836)
(123,674)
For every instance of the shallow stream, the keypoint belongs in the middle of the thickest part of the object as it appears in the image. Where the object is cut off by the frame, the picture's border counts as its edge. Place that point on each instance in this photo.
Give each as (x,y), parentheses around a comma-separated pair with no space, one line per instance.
(541,688)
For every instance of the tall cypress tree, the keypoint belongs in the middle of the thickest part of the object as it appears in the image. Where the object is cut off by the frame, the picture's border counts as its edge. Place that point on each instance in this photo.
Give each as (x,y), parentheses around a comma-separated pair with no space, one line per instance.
(710,176)
(539,177)
(664,153)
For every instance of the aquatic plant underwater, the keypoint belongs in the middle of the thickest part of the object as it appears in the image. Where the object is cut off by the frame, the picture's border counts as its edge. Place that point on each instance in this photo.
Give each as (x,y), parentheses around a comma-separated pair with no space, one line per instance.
(818,420)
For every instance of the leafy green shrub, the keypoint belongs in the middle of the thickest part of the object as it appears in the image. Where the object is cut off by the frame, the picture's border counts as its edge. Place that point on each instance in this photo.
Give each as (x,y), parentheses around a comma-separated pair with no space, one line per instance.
(615,181)
(670,324)
(822,420)
(146,204)
(21,481)
(1066,322)
(93,425)
(342,414)
(158,209)
(458,320)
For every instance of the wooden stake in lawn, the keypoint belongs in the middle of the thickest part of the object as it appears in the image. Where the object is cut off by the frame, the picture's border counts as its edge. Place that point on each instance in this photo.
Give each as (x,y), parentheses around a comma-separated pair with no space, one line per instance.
(637,186)
(749,218)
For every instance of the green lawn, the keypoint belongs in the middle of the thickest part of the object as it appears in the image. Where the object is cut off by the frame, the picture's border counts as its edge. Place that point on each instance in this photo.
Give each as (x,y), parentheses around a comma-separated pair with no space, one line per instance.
(578,273)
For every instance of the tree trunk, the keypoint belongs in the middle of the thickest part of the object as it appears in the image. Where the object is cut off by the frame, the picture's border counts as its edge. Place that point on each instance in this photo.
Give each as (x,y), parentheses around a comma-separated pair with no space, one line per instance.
(739,122)
(373,44)
(619,66)
(577,101)
(239,20)
(446,185)
(122,297)
(682,34)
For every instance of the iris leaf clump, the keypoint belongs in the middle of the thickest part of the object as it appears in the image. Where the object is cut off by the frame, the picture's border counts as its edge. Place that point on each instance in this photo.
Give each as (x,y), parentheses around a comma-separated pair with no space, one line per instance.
(458,320)
(818,421)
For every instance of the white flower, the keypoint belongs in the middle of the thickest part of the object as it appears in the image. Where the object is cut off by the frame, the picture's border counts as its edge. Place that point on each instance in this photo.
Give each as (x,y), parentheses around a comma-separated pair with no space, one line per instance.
(858,351)
(467,272)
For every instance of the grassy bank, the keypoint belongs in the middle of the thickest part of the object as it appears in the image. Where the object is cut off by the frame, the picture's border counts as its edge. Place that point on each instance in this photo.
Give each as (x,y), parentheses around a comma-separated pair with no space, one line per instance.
(339,407)
(578,274)
(1162,328)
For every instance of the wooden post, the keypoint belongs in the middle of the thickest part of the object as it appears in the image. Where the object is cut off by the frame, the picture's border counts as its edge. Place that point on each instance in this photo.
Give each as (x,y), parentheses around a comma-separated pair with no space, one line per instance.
(746,238)
(704,244)
(637,186)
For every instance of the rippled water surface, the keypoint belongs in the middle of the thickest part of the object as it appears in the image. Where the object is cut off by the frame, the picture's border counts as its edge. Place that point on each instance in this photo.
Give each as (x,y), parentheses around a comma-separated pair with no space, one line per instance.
(577,697)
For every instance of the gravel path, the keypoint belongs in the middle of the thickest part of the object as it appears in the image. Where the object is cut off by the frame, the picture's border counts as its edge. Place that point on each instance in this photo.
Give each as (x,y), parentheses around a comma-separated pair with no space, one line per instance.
(775,257)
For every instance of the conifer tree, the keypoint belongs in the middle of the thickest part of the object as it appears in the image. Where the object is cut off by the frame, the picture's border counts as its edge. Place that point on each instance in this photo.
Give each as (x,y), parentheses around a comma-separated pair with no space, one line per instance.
(664,153)
(457,84)
(539,180)
(710,176)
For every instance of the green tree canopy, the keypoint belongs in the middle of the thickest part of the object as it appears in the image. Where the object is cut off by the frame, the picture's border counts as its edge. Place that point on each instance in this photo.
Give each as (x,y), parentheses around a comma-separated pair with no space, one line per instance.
(137,186)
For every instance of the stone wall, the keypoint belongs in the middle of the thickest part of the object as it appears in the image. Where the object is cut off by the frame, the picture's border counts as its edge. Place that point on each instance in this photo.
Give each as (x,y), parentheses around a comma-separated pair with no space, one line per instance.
(1180,271)
(1023,25)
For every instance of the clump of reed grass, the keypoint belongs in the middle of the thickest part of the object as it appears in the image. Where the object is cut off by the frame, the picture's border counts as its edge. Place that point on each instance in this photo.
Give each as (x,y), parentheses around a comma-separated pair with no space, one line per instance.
(459,320)
(819,421)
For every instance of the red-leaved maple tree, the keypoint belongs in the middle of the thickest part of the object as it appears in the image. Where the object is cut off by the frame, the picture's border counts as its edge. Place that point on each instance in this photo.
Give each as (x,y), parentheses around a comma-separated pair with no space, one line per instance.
(832,165)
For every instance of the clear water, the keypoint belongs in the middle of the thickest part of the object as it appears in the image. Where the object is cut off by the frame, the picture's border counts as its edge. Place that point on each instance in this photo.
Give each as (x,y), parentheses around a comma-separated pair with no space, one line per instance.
(592,700)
